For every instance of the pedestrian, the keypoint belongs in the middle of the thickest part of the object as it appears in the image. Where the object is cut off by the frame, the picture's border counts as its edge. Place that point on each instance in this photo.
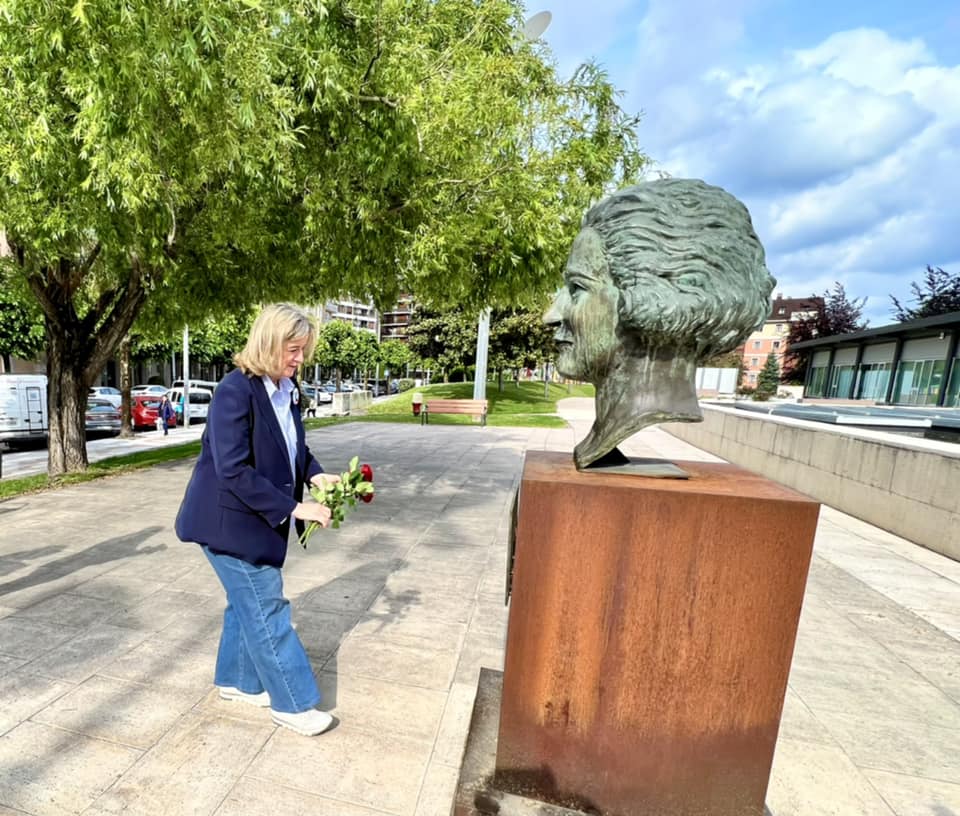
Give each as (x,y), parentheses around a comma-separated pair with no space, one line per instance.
(246,486)
(165,413)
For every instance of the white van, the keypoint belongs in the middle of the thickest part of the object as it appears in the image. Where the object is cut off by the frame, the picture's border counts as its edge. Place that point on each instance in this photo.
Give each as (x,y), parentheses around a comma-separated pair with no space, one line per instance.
(23,407)
(200,399)
(208,385)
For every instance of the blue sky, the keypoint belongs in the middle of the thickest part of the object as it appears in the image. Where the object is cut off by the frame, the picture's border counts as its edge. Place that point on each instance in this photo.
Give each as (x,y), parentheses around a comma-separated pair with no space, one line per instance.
(836,123)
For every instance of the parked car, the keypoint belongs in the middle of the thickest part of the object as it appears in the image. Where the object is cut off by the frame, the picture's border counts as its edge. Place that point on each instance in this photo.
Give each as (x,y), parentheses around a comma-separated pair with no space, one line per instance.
(318,393)
(155,390)
(200,399)
(108,393)
(144,409)
(102,416)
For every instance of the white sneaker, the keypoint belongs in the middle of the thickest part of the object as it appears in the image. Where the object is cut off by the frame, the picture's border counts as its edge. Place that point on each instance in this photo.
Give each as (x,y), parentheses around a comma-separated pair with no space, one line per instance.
(262,700)
(309,723)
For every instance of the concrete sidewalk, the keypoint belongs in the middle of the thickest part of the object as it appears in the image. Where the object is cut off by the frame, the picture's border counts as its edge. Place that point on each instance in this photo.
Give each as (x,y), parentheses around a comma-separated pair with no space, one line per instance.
(108,631)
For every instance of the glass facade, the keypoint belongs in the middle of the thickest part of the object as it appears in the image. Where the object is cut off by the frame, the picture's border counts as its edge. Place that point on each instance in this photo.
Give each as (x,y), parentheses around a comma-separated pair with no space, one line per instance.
(874,379)
(842,381)
(918,382)
(952,399)
(818,379)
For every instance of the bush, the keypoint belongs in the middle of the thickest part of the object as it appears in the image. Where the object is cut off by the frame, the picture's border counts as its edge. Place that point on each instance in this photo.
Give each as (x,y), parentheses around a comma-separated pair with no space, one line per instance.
(404,384)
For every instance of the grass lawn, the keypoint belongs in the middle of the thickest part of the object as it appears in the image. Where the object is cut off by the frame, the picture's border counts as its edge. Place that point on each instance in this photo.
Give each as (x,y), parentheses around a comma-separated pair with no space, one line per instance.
(523,406)
(519,406)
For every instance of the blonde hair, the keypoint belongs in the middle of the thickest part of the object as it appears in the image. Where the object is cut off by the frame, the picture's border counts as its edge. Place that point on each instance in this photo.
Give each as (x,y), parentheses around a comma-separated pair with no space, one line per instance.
(275,326)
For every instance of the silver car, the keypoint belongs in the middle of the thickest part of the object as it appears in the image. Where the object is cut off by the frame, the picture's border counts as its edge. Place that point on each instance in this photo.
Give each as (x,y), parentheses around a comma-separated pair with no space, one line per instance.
(102,416)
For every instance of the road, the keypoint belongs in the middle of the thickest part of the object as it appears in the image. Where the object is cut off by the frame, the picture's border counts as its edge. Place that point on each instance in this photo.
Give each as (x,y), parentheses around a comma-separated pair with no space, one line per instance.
(30,462)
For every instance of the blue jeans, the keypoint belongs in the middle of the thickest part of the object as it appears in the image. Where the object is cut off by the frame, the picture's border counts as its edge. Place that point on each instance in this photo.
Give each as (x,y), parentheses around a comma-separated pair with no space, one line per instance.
(259,650)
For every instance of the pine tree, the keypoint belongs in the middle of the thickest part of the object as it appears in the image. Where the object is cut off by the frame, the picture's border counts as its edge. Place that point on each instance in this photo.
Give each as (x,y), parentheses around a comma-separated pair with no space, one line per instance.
(938,294)
(769,379)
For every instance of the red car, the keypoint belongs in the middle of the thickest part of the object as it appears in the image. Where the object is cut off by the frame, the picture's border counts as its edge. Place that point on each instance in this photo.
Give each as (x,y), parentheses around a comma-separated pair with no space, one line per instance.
(143,411)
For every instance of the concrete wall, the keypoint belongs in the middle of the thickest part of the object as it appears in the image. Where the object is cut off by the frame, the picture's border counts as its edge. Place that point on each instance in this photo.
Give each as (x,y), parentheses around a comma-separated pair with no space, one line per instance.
(346,402)
(910,487)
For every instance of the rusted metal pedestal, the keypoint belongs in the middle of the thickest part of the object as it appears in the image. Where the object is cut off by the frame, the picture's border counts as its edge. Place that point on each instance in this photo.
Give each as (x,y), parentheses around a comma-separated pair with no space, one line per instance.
(651,629)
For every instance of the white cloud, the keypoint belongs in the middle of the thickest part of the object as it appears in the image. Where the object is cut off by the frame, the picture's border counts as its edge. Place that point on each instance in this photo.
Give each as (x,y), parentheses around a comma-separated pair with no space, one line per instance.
(846,152)
(865,57)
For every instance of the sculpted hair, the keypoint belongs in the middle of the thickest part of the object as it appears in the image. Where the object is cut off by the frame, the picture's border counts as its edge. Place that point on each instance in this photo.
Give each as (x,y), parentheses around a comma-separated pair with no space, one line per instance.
(690,269)
(275,326)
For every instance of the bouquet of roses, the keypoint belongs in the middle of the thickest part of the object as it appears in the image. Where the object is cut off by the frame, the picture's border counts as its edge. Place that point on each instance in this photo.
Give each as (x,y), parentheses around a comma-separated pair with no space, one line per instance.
(356,484)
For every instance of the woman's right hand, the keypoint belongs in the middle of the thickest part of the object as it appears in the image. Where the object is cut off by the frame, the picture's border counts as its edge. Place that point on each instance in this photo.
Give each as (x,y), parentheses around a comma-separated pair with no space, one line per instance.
(312,511)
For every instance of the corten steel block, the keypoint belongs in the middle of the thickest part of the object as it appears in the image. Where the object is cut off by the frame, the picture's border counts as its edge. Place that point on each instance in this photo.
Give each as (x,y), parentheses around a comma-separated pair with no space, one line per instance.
(651,629)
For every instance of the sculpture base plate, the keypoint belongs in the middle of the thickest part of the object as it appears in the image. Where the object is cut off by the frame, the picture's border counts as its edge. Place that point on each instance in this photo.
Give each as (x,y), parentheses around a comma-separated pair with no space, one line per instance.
(615,461)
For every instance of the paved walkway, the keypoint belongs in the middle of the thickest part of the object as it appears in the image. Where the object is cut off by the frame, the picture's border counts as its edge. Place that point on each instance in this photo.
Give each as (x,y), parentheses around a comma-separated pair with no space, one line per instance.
(108,630)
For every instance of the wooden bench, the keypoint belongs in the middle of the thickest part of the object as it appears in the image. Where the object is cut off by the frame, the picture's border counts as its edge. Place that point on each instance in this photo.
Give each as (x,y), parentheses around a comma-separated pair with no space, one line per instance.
(454,406)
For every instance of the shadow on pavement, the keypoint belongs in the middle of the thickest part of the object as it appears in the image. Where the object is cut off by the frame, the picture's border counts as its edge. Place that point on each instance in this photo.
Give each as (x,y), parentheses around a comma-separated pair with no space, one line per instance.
(100,553)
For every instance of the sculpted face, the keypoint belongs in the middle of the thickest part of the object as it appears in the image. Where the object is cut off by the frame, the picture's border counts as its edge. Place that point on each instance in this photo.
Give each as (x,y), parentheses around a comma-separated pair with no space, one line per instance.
(585,312)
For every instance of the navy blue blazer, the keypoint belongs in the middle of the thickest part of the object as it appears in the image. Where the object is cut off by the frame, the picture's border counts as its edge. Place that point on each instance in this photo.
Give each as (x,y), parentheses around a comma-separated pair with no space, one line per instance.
(241,494)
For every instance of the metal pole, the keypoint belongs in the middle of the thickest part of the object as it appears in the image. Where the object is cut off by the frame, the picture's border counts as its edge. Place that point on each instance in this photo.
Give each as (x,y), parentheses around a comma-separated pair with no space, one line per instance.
(186,377)
(483,343)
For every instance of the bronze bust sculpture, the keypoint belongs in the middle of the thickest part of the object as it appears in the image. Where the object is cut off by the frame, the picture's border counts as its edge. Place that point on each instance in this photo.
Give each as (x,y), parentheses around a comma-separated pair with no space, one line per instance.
(662,276)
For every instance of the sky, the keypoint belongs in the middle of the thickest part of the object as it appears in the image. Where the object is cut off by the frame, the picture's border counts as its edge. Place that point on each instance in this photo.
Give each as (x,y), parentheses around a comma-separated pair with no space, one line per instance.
(836,122)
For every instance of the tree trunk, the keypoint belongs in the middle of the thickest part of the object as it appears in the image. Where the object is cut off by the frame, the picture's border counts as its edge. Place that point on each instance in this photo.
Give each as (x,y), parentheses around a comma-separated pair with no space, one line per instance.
(500,380)
(66,404)
(126,425)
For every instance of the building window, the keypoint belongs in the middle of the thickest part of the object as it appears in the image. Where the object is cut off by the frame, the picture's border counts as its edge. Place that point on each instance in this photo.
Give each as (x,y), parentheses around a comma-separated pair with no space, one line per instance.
(918,382)
(756,345)
(752,378)
(781,310)
(754,362)
(776,344)
(779,328)
(874,378)
(818,378)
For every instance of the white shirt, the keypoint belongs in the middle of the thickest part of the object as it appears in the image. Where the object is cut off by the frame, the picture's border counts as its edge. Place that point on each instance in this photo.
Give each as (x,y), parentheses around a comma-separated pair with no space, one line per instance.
(280,398)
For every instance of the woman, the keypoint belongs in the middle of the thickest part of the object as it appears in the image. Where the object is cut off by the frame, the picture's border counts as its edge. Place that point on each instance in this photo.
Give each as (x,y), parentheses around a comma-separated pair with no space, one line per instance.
(165,412)
(246,486)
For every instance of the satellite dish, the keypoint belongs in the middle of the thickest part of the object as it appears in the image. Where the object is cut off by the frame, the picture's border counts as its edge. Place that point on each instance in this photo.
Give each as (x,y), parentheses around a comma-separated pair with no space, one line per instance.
(536,25)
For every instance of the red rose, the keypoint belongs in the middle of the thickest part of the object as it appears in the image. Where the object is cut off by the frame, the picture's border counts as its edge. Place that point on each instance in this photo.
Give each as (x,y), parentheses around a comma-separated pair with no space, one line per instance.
(366,498)
(367,473)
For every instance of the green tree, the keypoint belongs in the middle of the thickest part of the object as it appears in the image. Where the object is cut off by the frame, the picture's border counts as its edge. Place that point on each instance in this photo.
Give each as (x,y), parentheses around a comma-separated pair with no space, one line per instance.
(222,154)
(938,293)
(769,378)
(343,348)
(21,327)
(519,339)
(449,340)
(394,354)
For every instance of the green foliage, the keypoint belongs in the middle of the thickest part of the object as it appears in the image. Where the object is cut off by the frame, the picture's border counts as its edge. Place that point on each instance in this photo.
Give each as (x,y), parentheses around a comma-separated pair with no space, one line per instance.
(520,339)
(341,346)
(937,294)
(394,355)
(21,325)
(769,378)
(210,155)
(404,384)
(448,340)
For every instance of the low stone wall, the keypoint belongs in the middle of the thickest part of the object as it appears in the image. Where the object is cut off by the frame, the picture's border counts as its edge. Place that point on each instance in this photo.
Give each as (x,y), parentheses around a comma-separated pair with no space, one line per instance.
(350,402)
(910,487)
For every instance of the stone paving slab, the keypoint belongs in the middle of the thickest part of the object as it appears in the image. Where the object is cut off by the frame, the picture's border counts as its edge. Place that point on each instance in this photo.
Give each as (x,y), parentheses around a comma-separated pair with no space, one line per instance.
(108,631)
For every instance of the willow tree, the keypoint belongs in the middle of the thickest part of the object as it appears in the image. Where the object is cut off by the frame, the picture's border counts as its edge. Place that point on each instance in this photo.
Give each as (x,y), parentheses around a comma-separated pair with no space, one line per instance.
(215,154)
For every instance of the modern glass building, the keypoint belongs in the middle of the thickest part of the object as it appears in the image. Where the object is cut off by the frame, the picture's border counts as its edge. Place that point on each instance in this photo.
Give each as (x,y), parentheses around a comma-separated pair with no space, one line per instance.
(912,363)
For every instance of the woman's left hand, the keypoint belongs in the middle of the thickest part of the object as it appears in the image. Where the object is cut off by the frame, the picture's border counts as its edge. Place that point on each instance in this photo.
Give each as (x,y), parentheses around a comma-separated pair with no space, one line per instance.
(321,480)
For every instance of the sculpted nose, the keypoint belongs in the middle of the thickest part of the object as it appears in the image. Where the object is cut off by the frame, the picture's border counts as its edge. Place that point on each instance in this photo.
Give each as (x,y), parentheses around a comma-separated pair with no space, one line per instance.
(553,316)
